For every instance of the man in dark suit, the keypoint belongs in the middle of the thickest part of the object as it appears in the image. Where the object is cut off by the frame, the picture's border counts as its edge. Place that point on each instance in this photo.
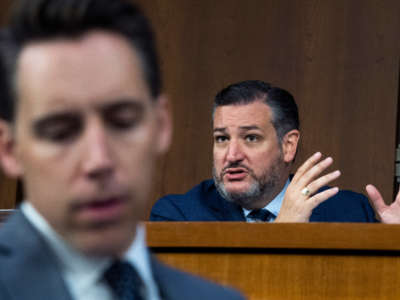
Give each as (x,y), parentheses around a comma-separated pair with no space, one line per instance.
(204,203)
(82,122)
(256,134)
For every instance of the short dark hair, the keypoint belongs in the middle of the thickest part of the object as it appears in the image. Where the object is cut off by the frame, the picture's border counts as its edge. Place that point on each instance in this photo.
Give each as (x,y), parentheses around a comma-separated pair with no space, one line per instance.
(37,20)
(285,115)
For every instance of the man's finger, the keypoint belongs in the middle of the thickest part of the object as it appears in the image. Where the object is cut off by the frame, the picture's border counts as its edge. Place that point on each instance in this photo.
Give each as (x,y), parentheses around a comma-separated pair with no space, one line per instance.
(376,198)
(315,171)
(323,180)
(309,163)
(322,196)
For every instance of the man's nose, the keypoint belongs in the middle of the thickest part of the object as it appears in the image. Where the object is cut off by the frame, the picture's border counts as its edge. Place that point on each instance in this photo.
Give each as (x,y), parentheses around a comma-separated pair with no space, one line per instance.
(97,158)
(235,152)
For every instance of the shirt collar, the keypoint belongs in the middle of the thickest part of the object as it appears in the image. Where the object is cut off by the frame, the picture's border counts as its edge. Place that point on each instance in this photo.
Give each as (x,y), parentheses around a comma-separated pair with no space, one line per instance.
(275,205)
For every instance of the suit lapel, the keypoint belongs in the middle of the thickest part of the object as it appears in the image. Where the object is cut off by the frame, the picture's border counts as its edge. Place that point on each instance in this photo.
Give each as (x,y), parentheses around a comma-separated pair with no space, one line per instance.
(33,269)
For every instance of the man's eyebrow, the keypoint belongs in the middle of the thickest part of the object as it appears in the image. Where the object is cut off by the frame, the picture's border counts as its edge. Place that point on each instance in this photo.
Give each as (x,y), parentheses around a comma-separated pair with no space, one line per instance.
(121,103)
(220,129)
(249,127)
(55,116)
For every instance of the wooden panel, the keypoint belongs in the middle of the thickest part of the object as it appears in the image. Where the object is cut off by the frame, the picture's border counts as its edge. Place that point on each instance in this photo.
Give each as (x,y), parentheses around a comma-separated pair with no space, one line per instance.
(286,261)
(5,6)
(8,190)
(296,276)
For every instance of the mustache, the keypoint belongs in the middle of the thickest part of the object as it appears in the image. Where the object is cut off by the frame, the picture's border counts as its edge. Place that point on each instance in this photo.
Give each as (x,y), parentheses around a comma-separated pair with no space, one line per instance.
(235,165)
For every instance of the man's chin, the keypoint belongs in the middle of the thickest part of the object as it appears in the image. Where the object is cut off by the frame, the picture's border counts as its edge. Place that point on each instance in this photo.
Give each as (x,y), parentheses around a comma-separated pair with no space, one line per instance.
(237,187)
(242,193)
(104,243)
(242,199)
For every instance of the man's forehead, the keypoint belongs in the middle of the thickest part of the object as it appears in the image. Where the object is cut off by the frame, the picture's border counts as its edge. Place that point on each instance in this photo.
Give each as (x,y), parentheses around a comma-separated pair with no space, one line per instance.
(99,65)
(243,114)
(90,44)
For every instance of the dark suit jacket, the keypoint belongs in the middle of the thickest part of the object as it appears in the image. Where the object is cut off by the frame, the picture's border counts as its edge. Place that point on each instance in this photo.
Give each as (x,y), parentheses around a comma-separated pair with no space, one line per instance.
(203,203)
(28,270)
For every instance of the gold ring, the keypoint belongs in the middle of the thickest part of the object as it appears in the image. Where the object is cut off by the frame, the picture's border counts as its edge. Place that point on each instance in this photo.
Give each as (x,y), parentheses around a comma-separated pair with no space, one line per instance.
(305,191)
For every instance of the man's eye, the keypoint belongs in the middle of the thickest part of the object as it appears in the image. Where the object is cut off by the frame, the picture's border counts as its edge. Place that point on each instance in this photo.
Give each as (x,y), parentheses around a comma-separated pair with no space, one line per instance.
(122,121)
(220,138)
(62,134)
(124,116)
(58,129)
(252,138)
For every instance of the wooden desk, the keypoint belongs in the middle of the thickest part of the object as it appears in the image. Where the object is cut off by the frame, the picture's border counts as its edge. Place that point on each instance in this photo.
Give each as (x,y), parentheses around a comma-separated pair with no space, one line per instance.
(287,261)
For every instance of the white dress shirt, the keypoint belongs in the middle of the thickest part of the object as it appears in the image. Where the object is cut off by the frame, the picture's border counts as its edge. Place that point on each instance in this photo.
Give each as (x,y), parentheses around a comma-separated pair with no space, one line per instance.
(83,275)
(273,207)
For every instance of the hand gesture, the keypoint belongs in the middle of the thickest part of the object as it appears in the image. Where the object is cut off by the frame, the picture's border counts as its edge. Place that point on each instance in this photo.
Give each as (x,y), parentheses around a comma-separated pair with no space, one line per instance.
(386,213)
(301,197)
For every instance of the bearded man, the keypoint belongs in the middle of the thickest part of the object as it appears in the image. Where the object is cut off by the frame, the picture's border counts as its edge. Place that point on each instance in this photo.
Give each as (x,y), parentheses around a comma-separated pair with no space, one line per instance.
(256,135)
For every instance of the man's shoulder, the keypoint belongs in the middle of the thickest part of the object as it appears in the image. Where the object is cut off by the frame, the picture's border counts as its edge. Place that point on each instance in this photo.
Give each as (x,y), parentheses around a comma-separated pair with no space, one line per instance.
(347,197)
(27,263)
(17,235)
(12,226)
(345,206)
(6,241)
(175,284)
(194,205)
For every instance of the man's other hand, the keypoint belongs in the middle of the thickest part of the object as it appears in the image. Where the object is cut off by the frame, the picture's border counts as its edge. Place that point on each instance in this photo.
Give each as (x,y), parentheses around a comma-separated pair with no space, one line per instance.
(386,213)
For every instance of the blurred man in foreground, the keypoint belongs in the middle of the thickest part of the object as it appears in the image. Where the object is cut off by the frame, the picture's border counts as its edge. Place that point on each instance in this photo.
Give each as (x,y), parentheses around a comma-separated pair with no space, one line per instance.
(82,122)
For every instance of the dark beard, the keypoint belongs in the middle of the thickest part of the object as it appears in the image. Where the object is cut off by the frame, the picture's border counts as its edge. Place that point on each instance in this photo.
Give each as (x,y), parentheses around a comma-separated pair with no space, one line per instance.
(263,187)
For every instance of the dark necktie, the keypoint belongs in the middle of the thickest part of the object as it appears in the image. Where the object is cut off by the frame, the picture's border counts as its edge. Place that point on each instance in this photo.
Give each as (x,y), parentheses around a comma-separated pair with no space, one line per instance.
(125,281)
(260,215)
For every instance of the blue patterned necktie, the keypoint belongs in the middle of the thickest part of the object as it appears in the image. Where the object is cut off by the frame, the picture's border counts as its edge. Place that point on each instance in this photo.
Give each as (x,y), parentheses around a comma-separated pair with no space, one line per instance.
(259,215)
(125,281)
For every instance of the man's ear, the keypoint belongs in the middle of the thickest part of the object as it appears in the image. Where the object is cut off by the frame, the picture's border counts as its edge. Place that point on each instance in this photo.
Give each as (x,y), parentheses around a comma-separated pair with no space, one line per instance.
(8,159)
(164,123)
(289,145)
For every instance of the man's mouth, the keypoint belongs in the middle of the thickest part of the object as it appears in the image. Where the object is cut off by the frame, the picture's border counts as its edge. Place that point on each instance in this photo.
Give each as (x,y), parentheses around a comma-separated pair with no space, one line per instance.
(100,210)
(235,174)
